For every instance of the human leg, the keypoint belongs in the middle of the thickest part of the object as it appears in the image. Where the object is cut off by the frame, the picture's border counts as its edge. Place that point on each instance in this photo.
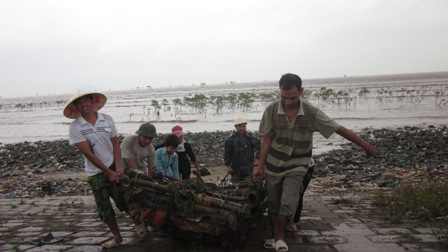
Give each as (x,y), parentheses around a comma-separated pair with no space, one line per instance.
(101,188)
(292,185)
(274,191)
(113,227)
(305,183)
(120,195)
(184,168)
(282,191)
(186,173)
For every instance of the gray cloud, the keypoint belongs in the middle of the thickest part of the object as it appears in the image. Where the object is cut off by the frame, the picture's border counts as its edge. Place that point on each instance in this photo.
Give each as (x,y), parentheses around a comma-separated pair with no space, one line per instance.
(49,47)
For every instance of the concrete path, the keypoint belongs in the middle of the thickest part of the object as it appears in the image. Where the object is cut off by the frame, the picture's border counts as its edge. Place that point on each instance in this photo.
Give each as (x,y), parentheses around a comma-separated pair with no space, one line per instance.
(330,223)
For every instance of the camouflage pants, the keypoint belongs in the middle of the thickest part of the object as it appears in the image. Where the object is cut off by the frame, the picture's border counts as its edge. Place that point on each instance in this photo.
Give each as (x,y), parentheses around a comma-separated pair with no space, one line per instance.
(103,190)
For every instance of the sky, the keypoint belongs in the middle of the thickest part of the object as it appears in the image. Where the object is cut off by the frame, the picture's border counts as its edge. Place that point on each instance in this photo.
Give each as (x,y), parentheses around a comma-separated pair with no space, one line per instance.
(59,47)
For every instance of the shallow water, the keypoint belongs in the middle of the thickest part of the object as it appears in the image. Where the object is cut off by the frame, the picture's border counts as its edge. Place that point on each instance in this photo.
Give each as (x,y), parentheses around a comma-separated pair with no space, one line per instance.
(414,100)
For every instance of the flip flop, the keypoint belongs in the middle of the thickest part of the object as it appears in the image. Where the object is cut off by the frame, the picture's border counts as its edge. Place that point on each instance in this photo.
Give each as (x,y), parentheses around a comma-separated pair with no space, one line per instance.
(280,246)
(111,244)
(292,227)
(141,230)
(269,244)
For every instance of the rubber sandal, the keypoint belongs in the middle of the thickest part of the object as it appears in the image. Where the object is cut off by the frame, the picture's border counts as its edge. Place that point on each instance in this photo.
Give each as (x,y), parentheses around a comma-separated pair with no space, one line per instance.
(152,229)
(292,227)
(141,230)
(269,244)
(111,244)
(280,246)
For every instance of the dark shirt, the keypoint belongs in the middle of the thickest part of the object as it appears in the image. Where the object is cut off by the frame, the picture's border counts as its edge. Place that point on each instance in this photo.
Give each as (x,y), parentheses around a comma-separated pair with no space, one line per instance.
(185,157)
(239,152)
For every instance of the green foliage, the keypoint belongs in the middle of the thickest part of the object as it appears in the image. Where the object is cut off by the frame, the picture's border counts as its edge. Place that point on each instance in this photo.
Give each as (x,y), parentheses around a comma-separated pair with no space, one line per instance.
(164,102)
(232,100)
(177,102)
(155,104)
(245,100)
(347,96)
(306,94)
(325,94)
(424,202)
(198,101)
(218,102)
(364,91)
(268,97)
(15,248)
(440,231)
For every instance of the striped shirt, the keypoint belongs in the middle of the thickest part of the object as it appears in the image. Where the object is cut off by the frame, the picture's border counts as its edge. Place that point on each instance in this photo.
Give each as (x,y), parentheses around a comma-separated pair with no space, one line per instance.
(292,142)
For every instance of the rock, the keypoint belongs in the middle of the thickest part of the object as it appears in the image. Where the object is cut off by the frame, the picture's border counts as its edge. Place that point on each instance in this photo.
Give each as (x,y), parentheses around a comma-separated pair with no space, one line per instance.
(406,155)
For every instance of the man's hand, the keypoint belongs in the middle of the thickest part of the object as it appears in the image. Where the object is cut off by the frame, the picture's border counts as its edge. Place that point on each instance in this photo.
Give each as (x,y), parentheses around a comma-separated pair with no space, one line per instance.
(371,151)
(119,169)
(258,174)
(113,177)
(151,169)
(229,169)
(256,163)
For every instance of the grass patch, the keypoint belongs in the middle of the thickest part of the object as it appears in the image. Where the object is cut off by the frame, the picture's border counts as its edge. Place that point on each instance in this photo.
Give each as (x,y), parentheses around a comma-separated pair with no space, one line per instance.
(424,202)
(409,238)
(15,248)
(440,231)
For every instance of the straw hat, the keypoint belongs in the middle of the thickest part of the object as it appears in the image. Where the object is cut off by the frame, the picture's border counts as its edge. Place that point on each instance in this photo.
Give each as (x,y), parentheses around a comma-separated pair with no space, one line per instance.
(98,101)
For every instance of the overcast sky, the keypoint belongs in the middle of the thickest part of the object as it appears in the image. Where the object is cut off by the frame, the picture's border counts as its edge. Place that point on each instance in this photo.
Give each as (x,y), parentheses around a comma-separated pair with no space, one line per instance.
(54,47)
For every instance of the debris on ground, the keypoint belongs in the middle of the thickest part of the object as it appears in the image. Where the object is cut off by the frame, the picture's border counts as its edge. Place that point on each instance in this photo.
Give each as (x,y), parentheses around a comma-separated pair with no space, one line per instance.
(407,154)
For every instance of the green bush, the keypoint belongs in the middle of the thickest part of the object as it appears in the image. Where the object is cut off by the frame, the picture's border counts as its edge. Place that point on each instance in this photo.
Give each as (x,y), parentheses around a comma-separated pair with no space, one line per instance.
(423,202)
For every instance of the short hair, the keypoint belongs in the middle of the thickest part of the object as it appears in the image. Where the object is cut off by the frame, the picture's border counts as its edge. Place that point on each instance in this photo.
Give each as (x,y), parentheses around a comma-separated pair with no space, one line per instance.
(289,80)
(171,140)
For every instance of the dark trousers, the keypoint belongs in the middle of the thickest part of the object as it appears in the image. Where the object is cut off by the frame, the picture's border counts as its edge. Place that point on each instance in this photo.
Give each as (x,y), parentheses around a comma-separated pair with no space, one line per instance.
(306,181)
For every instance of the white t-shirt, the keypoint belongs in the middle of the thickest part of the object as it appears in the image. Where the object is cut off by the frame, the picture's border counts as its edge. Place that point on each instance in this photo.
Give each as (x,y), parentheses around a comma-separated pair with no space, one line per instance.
(99,138)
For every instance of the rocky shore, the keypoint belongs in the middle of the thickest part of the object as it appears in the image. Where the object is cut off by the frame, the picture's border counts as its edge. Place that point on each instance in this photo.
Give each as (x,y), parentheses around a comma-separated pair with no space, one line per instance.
(406,155)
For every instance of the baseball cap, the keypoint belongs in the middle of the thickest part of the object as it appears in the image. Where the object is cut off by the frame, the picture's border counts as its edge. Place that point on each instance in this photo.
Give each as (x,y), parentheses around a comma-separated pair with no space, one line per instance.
(177,130)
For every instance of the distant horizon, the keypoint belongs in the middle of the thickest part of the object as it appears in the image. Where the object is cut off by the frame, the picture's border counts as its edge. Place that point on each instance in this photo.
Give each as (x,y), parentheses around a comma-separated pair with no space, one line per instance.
(58,47)
(194,85)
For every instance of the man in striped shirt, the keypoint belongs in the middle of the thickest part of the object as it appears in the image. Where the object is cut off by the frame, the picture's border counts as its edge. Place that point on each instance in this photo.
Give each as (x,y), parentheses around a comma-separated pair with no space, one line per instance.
(287,127)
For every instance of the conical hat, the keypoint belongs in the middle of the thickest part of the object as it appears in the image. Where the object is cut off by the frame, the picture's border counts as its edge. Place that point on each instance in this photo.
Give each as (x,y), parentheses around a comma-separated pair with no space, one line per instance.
(70,110)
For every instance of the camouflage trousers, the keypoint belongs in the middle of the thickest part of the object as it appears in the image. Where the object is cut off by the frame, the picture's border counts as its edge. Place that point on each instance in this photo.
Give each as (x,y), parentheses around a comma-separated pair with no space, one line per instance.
(103,190)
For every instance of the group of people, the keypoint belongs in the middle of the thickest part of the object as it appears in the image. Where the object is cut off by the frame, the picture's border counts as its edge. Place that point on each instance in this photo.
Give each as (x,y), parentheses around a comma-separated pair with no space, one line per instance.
(106,159)
(282,159)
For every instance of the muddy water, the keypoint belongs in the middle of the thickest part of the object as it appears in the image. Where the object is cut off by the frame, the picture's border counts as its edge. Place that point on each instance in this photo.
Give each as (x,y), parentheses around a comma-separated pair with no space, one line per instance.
(391,101)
